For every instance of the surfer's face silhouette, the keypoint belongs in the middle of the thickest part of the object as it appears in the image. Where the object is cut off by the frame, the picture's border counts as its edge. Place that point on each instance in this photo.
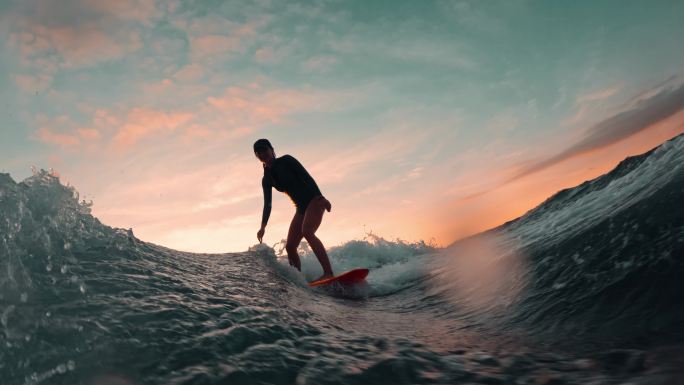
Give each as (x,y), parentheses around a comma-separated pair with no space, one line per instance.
(265,154)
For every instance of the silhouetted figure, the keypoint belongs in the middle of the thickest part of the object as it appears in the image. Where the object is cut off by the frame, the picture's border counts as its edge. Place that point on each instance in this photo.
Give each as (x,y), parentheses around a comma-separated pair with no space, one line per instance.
(287,175)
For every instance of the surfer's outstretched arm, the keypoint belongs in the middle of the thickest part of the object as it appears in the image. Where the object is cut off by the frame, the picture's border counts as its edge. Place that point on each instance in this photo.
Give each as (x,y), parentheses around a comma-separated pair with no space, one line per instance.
(266,213)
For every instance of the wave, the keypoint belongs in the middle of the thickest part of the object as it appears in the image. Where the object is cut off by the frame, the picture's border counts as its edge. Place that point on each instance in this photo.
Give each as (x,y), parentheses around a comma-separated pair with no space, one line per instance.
(603,258)
(598,262)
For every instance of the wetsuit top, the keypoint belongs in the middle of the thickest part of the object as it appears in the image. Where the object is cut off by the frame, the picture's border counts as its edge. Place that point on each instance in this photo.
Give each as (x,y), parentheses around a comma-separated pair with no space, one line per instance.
(287,175)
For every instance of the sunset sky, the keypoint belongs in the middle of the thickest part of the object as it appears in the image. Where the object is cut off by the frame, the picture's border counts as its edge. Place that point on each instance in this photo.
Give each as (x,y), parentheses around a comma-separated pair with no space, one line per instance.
(418,119)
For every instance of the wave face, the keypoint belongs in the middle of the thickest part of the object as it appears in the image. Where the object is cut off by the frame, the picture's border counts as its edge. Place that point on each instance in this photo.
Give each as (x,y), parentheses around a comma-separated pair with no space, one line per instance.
(606,257)
(596,267)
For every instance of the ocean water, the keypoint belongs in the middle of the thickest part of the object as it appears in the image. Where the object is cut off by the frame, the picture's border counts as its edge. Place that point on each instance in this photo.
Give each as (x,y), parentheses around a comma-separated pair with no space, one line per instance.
(585,288)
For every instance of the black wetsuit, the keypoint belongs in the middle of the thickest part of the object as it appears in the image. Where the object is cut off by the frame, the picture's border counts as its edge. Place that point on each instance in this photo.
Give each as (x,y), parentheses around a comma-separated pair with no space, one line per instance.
(287,175)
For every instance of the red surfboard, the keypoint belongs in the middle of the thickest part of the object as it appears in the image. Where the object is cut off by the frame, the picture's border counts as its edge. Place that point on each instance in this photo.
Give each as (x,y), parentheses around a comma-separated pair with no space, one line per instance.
(352,276)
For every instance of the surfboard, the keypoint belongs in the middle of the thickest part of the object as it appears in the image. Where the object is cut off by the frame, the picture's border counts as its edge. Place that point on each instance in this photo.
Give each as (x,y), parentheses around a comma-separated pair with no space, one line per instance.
(351,276)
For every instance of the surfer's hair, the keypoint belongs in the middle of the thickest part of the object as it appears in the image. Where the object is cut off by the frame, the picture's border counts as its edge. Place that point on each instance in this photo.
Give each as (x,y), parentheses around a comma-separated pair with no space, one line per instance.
(262,143)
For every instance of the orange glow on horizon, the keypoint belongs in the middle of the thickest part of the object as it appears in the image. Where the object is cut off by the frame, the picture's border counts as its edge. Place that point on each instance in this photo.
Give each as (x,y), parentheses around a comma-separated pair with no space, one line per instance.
(465,216)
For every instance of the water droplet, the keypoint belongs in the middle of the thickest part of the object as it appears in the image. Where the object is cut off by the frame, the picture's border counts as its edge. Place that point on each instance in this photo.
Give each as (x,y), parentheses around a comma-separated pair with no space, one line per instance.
(27,337)
(82,288)
(48,267)
(64,269)
(71,365)
(47,314)
(23,297)
(61,368)
(67,246)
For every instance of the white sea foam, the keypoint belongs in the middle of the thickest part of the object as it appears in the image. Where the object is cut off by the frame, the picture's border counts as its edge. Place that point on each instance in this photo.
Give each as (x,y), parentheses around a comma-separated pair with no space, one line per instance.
(393,265)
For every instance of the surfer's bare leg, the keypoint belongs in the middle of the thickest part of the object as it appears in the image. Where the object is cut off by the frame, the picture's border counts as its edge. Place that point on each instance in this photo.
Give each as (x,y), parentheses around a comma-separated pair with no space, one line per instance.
(312,219)
(294,236)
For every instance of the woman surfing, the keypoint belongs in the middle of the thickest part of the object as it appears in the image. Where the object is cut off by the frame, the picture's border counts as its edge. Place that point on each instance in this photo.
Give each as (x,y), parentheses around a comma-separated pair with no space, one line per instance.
(287,175)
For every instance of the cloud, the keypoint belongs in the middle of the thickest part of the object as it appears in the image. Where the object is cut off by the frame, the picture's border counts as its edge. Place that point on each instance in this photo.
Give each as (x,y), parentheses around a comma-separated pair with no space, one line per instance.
(190,73)
(256,106)
(144,122)
(46,37)
(228,115)
(121,130)
(642,115)
(76,12)
(450,54)
(385,147)
(214,37)
(591,100)
(33,83)
(89,45)
(473,15)
(212,45)
(320,63)
(273,54)
(139,10)
(80,33)
(598,94)
(60,131)
(46,135)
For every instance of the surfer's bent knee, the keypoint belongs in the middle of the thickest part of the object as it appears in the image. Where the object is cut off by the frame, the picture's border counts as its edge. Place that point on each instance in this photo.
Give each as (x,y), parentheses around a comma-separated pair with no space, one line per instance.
(291,248)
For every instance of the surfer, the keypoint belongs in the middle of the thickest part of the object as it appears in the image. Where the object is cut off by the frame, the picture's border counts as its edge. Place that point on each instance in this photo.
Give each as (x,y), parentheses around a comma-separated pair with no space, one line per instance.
(287,175)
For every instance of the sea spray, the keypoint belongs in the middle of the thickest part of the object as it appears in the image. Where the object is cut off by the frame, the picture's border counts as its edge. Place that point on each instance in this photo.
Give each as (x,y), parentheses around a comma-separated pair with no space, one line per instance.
(394,265)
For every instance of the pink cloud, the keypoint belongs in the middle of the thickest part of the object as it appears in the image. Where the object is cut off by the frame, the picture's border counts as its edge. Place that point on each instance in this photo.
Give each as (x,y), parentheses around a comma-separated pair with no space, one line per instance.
(88,133)
(84,46)
(103,117)
(33,83)
(218,25)
(49,36)
(158,88)
(46,135)
(138,10)
(235,113)
(29,43)
(60,131)
(211,45)
(80,46)
(253,105)
(123,130)
(214,36)
(598,94)
(189,73)
(587,102)
(143,122)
